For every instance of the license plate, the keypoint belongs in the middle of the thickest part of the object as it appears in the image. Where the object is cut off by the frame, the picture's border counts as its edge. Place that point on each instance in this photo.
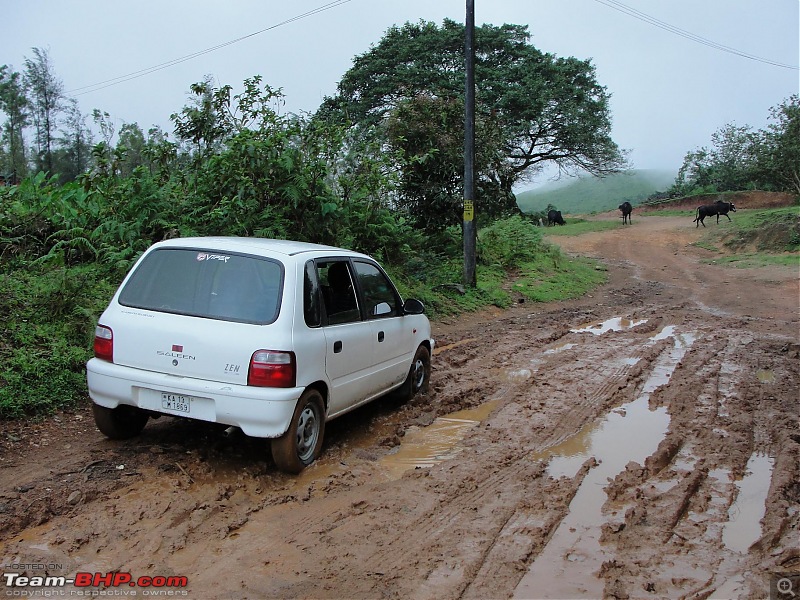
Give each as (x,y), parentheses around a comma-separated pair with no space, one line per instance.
(176,402)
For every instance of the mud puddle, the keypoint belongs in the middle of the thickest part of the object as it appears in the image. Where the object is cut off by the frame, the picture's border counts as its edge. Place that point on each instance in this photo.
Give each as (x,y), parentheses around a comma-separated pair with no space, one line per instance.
(559,348)
(765,376)
(743,526)
(440,349)
(744,516)
(615,324)
(568,565)
(439,441)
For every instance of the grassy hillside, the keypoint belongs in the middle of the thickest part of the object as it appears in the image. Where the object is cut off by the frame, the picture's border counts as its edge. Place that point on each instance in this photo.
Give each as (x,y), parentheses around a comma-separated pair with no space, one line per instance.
(590,194)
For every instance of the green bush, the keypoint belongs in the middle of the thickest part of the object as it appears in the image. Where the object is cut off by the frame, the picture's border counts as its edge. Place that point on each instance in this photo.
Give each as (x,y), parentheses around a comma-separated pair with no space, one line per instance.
(509,243)
(49,314)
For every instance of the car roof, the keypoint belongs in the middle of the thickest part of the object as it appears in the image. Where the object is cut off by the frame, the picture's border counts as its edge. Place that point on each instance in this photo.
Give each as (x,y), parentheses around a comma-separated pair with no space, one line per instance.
(252,245)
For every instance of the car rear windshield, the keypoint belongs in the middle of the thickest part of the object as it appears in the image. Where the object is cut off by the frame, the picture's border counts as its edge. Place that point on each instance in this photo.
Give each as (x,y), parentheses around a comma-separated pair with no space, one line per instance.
(217,285)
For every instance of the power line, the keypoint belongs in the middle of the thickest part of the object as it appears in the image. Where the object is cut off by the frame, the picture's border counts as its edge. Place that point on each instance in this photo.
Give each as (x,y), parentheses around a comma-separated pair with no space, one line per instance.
(619,6)
(141,73)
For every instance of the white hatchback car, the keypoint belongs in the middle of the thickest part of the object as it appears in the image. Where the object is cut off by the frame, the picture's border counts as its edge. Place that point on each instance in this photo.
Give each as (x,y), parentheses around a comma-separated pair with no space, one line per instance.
(275,337)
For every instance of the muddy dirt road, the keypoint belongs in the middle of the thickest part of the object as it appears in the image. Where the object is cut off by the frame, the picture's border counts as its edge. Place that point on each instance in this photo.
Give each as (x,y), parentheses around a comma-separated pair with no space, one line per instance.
(641,442)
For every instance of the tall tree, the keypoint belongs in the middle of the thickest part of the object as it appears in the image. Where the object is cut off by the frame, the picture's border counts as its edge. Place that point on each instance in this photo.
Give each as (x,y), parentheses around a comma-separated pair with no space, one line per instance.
(131,147)
(73,155)
(15,105)
(203,121)
(106,157)
(46,94)
(734,157)
(783,145)
(741,158)
(544,109)
(428,133)
(214,115)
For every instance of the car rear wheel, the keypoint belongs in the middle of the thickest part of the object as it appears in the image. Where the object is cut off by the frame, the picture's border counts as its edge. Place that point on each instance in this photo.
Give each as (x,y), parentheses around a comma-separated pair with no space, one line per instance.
(302,443)
(119,423)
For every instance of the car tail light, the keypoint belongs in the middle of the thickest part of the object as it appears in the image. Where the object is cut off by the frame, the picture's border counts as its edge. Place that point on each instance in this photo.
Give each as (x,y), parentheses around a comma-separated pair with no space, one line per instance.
(269,368)
(104,343)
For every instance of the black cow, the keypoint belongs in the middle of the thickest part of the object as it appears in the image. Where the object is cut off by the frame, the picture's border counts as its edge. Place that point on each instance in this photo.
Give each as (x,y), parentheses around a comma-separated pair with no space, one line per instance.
(709,210)
(626,209)
(553,217)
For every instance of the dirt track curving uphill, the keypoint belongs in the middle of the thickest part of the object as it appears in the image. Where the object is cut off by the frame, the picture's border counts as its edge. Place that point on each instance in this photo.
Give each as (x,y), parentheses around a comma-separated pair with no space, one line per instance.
(640,442)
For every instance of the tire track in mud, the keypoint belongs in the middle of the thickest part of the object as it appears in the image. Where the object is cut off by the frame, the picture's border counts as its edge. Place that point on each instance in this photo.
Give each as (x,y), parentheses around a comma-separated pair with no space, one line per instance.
(506,522)
(569,565)
(465,496)
(688,502)
(477,514)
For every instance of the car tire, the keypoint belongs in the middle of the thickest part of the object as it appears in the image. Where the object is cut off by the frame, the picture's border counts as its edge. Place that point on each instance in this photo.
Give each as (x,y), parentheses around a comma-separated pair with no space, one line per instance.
(302,443)
(420,372)
(119,423)
(418,377)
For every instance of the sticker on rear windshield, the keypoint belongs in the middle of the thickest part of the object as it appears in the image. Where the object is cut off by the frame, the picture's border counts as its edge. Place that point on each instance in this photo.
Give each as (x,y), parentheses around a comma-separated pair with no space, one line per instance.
(201,256)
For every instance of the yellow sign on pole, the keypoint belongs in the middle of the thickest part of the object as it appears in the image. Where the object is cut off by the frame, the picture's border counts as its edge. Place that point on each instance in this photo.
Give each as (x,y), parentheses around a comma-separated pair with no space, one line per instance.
(469,211)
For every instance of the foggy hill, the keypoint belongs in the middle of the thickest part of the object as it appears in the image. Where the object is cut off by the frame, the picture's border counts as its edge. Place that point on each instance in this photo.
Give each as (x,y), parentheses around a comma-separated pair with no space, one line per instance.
(591,194)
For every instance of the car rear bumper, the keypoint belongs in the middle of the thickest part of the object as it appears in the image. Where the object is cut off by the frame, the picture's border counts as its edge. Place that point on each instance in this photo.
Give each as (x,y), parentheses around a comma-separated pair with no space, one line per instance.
(258,411)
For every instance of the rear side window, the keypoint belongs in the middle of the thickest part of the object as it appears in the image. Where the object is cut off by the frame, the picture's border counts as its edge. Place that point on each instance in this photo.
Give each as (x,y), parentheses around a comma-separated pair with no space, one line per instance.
(311,302)
(338,291)
(230,287)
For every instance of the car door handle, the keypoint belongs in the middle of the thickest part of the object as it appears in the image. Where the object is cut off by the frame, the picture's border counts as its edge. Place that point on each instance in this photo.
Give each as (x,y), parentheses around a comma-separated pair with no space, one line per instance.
(380,336)
(337,347)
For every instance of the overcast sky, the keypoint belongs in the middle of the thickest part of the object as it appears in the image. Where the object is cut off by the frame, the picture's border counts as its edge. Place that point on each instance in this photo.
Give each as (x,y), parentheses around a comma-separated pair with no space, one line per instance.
(669,94)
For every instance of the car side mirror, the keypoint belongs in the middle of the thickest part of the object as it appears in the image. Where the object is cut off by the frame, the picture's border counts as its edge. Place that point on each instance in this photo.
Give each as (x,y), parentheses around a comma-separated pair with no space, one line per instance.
(413,306)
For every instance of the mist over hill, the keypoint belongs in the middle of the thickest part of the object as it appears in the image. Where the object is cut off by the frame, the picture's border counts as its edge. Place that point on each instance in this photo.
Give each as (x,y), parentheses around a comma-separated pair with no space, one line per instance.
(591,194)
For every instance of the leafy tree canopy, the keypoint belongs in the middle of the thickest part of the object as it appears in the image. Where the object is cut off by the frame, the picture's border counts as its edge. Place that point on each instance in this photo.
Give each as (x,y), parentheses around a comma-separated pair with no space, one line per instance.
(741,158)
(549,109)
(783,144)
(532,109)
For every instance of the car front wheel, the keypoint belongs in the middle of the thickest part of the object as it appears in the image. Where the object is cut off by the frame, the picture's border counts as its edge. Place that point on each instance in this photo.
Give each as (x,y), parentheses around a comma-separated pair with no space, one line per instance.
(420,372)
(302,443)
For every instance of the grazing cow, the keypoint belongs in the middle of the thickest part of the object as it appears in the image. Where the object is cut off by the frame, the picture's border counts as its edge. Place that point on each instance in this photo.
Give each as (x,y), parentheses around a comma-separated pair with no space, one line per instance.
(709,210)
(626,209)
(553,217)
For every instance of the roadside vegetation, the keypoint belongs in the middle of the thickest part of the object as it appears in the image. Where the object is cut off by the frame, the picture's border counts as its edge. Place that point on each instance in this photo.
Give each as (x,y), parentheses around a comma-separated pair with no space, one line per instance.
(50,300)
(377,169)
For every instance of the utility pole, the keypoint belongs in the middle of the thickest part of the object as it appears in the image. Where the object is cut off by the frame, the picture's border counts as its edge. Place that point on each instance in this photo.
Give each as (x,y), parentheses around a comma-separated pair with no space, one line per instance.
(470,233)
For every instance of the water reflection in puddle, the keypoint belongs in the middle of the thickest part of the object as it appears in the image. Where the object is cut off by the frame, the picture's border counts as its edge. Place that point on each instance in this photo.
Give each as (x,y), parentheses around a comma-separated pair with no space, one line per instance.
(517,375)
(667,332)
(428,446)
(559,348)
(765,376)
(568,565)
(439,349)
(744,516)
(615,324)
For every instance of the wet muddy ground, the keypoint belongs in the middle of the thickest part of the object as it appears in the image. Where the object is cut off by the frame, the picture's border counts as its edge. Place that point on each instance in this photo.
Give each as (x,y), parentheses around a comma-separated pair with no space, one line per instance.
(641,442)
